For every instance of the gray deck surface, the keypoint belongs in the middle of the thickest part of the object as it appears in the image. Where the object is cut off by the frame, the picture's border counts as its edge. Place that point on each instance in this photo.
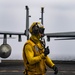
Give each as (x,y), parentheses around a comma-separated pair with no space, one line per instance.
(16,68)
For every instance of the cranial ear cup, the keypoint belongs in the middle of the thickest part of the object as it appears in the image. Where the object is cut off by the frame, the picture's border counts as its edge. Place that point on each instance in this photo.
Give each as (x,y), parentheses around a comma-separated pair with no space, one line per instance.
(35,30)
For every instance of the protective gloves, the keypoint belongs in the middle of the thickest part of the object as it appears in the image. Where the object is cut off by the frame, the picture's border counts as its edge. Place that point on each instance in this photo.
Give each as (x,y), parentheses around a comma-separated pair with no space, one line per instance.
(55,69)
(46,52)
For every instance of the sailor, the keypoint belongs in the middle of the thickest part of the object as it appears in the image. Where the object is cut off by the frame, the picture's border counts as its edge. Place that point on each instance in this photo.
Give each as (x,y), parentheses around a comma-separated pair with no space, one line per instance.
(35,55)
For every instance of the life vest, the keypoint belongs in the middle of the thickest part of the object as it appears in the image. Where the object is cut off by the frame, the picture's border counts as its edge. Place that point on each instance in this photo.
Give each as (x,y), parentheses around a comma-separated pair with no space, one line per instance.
(37,68)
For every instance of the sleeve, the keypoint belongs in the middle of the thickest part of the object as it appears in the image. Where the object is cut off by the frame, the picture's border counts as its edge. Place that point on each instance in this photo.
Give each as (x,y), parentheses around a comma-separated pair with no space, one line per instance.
(49,62)
(30,55)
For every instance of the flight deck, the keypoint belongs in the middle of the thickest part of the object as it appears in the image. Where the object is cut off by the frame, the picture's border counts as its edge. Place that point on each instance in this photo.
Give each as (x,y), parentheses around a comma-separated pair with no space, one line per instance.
(16,67)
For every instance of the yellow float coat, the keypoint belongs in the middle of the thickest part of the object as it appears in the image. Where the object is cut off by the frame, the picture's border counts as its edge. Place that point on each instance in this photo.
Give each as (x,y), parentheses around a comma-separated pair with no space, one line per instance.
(34,59)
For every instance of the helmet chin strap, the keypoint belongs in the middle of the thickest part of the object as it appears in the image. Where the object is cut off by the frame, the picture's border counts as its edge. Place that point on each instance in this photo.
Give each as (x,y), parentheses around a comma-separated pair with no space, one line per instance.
(41,35)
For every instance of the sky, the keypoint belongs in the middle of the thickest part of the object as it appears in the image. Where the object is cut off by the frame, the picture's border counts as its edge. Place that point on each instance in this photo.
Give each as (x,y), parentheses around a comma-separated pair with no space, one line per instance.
(59,16)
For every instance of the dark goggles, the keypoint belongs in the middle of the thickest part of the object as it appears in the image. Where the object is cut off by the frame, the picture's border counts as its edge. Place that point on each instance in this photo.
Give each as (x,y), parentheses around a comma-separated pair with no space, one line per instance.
(36,29)
(41,30)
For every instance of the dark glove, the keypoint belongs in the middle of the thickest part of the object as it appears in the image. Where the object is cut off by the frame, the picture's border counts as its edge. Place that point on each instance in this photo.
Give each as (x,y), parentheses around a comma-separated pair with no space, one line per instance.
(55,69)
(46,52)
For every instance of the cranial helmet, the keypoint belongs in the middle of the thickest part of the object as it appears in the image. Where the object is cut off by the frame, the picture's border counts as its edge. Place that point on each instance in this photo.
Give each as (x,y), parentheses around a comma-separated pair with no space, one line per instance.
(36,28)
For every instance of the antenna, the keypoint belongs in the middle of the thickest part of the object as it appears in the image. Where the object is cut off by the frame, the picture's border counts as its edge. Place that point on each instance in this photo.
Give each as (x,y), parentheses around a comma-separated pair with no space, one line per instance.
(27,22)
(42,11)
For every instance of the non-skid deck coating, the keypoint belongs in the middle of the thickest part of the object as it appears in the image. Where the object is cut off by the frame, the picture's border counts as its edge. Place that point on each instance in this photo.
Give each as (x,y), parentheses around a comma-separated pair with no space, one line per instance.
(17,67)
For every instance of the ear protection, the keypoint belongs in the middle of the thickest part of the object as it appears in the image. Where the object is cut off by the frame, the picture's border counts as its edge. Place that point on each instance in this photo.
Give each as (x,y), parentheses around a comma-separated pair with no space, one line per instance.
(35,29)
